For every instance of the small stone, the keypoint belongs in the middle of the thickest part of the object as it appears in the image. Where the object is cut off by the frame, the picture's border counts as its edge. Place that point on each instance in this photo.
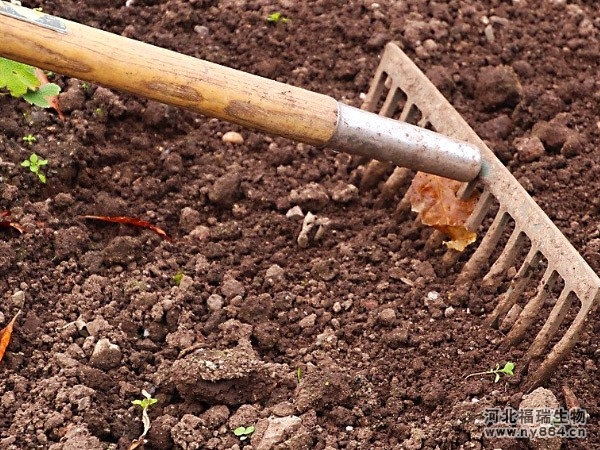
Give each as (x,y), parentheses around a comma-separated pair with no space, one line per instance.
(233,137)
(231,287)
(344,193)
(214,302)
(17,300)
(275,274)
(201,30)
(226,189)
(274,430)
(312,197)
(529,149)
(540,399)
(106,355)
(449,311)
(308,321)
(387,317)
(294,213)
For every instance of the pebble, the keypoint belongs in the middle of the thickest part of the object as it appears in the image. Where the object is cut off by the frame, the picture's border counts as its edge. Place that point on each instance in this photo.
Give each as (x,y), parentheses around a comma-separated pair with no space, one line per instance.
(214,302)
(232,287)
(233,137)
(275,274)
(201,30)
(312,197)
(226,189)
(308,321)
(529,148)
(294,213)
(106,355)
(344,193)
(449,311)
(387,316)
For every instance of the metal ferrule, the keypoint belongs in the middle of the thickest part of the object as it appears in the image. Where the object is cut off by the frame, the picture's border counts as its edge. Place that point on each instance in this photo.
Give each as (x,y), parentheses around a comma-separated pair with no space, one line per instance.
(378,137)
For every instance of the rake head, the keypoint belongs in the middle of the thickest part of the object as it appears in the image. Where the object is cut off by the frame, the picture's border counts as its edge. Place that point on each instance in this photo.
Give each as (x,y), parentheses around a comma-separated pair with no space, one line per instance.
(401,91)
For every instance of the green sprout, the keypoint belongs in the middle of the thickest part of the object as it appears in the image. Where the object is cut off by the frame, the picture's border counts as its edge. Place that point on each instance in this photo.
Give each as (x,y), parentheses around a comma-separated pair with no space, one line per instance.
(144,403)
(244,432)
(30,139)
(299,374)
(35,163)
(507,370)
(277,17)
(177,278)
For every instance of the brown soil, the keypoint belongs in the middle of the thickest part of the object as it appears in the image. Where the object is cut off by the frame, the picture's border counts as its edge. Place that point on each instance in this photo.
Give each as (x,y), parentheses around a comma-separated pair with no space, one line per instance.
(348,342)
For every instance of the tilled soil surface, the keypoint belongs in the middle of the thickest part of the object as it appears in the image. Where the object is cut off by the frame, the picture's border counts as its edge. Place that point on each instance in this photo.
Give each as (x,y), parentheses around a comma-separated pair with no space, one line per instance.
(350,341)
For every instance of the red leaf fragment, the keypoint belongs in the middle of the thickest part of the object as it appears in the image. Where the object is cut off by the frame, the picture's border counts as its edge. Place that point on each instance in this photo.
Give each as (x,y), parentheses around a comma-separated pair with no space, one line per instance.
(131,221)
(52,100)
(8,223)
(6,333)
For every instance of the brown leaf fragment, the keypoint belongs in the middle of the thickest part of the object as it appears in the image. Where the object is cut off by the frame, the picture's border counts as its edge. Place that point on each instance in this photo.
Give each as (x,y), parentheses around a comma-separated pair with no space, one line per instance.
(436,201)
(131,221)
(8,223)
(5,335)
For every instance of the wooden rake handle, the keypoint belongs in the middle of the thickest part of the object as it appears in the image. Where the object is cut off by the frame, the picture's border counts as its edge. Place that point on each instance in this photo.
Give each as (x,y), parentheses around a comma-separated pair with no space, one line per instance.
(169,77)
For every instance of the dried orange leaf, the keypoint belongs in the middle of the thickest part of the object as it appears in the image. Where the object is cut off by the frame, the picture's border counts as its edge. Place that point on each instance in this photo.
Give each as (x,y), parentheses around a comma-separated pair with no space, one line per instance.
(8,224)
(435,199)
(131,221)
(5,335)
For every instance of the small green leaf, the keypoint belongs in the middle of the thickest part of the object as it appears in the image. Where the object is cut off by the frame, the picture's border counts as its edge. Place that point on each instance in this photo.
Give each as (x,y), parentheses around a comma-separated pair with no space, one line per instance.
(509,368)
(17,78)
(137,402)
(26,163)
(239,431)
(42,177)
(250,429)
(33,159)
(40,97)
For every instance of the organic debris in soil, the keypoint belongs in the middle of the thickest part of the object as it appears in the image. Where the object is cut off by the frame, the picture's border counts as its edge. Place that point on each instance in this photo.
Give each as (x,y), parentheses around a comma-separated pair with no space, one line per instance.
(7,223)
(131,221)
(48,91)
(436,201)
(5,335)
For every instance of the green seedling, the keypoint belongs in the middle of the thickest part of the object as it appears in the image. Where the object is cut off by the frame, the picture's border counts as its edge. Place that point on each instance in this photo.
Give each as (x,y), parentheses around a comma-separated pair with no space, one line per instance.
(299,374)
(144,403)
(21,81)
(30,139)
(177,278)
(35,163)
(277,17)
(507,370)
(244,432)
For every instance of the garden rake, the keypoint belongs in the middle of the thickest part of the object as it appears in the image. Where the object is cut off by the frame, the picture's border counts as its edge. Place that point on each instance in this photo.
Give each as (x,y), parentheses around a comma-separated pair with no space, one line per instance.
(439,141)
